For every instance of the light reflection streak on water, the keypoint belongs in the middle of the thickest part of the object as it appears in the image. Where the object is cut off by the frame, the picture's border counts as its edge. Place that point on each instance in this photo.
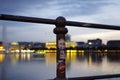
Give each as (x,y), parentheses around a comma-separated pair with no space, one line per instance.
(2,56)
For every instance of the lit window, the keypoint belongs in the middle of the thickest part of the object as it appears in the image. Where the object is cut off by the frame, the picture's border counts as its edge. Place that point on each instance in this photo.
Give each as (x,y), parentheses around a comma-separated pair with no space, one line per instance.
(90,43)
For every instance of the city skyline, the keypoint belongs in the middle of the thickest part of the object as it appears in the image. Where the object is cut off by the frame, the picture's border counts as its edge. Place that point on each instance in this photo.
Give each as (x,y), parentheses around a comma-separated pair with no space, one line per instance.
(102,12)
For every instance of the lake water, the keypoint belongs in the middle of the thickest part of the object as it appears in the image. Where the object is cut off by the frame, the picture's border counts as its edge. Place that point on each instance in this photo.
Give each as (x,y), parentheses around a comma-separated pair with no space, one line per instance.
(24,66)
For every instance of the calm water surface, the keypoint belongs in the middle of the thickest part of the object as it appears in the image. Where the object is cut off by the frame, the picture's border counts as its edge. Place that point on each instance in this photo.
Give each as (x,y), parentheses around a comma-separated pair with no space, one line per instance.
(25,66)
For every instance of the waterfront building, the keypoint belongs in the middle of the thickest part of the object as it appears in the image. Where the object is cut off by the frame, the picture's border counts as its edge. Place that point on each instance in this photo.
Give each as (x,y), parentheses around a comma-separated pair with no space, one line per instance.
(67,37)
(68,43)
(1,47)
(14,47)
(113,44)
(38,45)
(81,44)
(23,45)
(26,46)
(94,43)
(52,45)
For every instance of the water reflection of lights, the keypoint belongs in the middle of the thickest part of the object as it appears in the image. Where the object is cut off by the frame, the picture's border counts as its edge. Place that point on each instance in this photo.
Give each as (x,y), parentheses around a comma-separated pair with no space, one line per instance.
(2,56)
(71,51)
(50,51)
(25,56)
(71,55)
(28,56)
(90,60)
(81,51)
(15,57)
(50,58)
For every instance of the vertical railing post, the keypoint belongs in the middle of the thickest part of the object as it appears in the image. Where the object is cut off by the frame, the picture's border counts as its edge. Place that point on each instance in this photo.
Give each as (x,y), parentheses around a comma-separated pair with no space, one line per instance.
(60,32)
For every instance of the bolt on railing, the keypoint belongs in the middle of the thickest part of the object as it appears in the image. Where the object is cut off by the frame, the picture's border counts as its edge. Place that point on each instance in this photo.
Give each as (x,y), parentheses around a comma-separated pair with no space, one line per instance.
(60,32)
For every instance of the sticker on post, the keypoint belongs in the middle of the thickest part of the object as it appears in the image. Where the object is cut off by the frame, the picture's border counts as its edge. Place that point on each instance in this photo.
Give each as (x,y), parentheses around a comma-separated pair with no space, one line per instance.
(61,44)
(62,54)
(61,67)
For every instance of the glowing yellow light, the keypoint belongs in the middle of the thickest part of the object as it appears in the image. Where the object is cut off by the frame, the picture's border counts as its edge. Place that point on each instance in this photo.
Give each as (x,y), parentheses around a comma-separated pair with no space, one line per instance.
(50,45)
(67,44)
(90,43)
(14,43)
(1,47)
(17,50)
(106,50)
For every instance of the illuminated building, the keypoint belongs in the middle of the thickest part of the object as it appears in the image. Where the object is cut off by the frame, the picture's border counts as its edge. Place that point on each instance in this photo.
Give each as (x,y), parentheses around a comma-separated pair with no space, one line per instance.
(68,43)
(1,47)
(52,45)
(95,43)
(14,47)
(23,46)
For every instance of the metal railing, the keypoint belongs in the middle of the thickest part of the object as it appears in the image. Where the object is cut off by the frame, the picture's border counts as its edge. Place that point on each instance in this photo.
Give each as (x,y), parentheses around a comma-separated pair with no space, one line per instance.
(96,77)
(60,32)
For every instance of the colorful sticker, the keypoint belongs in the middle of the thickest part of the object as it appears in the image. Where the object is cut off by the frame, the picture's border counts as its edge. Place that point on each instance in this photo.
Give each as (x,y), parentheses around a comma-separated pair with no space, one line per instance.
(61,46)
(61,67)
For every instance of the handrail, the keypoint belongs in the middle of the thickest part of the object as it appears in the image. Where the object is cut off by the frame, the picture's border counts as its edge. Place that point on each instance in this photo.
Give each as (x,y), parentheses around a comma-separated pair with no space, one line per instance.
(52,21)
(26,19)
(60,32)
(95,77)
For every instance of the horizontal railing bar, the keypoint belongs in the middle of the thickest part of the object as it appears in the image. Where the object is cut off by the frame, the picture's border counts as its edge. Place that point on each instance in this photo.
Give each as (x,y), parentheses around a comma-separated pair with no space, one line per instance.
(92,25)
(51,21)
(26,19)
(95,77)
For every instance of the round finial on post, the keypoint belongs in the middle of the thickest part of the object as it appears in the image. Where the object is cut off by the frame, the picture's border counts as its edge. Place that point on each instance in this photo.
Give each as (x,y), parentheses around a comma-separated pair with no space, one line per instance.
(60,21)
(60,26)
